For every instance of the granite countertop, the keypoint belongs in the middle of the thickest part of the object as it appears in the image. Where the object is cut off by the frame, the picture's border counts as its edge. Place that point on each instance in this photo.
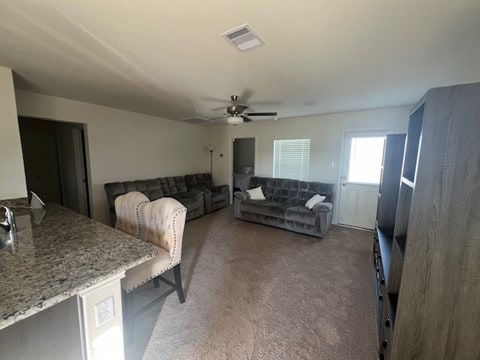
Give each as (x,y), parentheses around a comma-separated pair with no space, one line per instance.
(56,254)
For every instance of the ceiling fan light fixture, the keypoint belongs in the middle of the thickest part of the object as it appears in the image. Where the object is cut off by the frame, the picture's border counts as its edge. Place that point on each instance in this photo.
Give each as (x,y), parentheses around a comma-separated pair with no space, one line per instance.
(234,120)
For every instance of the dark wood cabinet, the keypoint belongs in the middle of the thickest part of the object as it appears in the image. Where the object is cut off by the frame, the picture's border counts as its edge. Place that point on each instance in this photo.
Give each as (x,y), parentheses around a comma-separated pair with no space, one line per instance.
(430,299)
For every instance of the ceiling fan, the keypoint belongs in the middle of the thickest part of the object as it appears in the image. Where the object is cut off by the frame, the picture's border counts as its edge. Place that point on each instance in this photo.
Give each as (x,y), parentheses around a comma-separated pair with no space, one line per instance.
(236,114)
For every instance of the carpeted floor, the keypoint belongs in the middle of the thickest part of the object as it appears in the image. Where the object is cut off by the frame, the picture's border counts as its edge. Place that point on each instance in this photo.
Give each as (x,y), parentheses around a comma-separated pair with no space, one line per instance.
(256,292)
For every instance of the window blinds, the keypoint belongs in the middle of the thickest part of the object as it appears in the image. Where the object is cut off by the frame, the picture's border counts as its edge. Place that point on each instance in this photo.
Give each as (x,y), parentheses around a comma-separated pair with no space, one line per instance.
(291,159)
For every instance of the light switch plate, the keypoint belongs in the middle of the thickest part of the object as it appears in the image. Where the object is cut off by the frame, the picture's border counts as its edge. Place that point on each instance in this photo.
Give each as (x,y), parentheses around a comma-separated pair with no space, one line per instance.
(104,311)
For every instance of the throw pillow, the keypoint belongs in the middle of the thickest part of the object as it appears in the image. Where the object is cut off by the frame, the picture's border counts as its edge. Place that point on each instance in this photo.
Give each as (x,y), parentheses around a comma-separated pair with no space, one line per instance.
(314,200)
(256,193)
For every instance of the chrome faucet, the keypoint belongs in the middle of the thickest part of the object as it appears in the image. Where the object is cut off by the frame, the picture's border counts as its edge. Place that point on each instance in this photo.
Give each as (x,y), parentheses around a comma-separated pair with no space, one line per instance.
(9,224)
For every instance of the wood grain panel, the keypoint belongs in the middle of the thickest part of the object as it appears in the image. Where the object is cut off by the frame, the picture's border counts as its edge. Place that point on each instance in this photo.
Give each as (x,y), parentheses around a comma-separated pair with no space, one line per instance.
(438,314)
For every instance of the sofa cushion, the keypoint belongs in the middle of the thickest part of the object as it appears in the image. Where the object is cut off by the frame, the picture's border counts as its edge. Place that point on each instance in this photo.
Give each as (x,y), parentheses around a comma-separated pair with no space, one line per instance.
(263,207)
(199,181)
(300,214)
(172,185)
(155,194)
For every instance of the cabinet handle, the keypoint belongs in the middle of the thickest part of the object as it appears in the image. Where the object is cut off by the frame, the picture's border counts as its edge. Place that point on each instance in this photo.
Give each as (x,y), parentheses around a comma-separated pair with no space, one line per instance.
(387,323)
(384,343)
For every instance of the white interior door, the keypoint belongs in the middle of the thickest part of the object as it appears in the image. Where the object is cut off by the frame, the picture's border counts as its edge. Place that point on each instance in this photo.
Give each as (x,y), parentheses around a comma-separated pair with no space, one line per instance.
(360,178)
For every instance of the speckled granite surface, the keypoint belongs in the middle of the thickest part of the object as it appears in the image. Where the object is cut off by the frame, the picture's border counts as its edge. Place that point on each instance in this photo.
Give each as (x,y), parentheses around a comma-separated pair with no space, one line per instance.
(56,254)
(14,202)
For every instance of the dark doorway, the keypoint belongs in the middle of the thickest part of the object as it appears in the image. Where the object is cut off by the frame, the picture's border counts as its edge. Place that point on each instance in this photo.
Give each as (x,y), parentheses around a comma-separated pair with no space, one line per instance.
(243,162)
(54,157)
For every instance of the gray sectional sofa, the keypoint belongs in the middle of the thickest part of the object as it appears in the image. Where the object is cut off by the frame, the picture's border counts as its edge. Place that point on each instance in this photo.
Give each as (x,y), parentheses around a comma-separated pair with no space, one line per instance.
(284,206)
(154,189)
(196,192)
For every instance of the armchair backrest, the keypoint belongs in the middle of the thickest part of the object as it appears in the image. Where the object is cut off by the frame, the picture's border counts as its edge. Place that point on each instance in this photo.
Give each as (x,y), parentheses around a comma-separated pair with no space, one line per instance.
(164,225)
(130,215)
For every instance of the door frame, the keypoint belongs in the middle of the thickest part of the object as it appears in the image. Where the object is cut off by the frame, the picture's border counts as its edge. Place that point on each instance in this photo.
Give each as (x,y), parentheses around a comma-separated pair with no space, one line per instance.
(230,160)
(342,165)
(86,147)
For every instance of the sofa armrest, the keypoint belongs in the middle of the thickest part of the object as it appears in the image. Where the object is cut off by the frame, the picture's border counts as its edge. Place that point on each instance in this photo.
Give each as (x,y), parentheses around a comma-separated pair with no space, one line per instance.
(241,195)
(323,207)
(219,189)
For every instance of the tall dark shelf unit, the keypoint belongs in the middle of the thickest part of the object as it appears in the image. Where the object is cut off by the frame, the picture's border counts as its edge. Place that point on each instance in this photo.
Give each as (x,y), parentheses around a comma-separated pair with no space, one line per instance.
(430,293)
(387,206)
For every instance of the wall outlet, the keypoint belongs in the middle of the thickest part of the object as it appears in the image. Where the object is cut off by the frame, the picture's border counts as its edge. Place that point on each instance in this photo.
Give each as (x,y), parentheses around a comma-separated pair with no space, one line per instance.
(104,311)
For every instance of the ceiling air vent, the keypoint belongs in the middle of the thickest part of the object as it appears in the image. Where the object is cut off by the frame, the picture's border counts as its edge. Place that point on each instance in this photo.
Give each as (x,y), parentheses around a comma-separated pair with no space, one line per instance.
(242,38)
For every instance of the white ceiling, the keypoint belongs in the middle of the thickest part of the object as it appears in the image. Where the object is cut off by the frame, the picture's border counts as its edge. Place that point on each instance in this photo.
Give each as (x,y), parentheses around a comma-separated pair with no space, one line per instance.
(167,58)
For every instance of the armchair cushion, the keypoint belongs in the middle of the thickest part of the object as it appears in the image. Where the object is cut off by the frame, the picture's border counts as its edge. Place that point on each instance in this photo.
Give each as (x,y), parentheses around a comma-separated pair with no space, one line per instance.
(150,269)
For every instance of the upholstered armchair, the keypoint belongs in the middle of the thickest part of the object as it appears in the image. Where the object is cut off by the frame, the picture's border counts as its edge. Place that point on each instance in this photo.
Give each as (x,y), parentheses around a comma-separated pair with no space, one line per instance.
(161,223)
(216,197)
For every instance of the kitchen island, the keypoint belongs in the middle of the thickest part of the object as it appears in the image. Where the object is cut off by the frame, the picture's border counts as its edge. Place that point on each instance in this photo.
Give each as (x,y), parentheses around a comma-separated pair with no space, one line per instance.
(61,260)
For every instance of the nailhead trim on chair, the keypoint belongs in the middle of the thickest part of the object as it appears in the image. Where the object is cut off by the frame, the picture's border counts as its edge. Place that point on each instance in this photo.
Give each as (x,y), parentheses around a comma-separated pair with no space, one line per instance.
(139,221)
(171,265)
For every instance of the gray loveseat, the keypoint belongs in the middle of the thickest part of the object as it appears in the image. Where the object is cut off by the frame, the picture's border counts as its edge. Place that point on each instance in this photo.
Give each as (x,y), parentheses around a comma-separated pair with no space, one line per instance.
(284,206)
(154,189)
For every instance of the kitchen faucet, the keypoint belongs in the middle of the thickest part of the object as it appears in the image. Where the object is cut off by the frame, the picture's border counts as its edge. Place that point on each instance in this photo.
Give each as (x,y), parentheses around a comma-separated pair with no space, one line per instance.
(9,224)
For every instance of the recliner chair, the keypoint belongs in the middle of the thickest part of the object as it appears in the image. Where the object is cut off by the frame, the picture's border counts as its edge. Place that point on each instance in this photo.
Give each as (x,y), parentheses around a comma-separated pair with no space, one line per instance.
(216,197)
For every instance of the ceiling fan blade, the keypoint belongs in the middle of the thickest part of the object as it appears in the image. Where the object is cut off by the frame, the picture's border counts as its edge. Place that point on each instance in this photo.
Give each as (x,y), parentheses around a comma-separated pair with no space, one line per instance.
(266,103)
(262,114)
(245,118)
(246,95)
(217,118)
(239,108)
(211,98)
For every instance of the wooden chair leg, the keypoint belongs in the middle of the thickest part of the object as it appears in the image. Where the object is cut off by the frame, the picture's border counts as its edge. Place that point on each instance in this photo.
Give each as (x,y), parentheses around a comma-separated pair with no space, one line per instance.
(178,283)
(128,317)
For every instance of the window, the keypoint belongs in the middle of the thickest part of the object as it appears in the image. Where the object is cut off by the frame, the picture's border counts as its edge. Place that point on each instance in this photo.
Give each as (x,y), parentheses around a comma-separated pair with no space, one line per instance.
(365,160)
(291,159)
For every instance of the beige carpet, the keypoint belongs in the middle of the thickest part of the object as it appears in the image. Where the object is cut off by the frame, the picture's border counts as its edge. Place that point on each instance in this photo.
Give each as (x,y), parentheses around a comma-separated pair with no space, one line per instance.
(256,292)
